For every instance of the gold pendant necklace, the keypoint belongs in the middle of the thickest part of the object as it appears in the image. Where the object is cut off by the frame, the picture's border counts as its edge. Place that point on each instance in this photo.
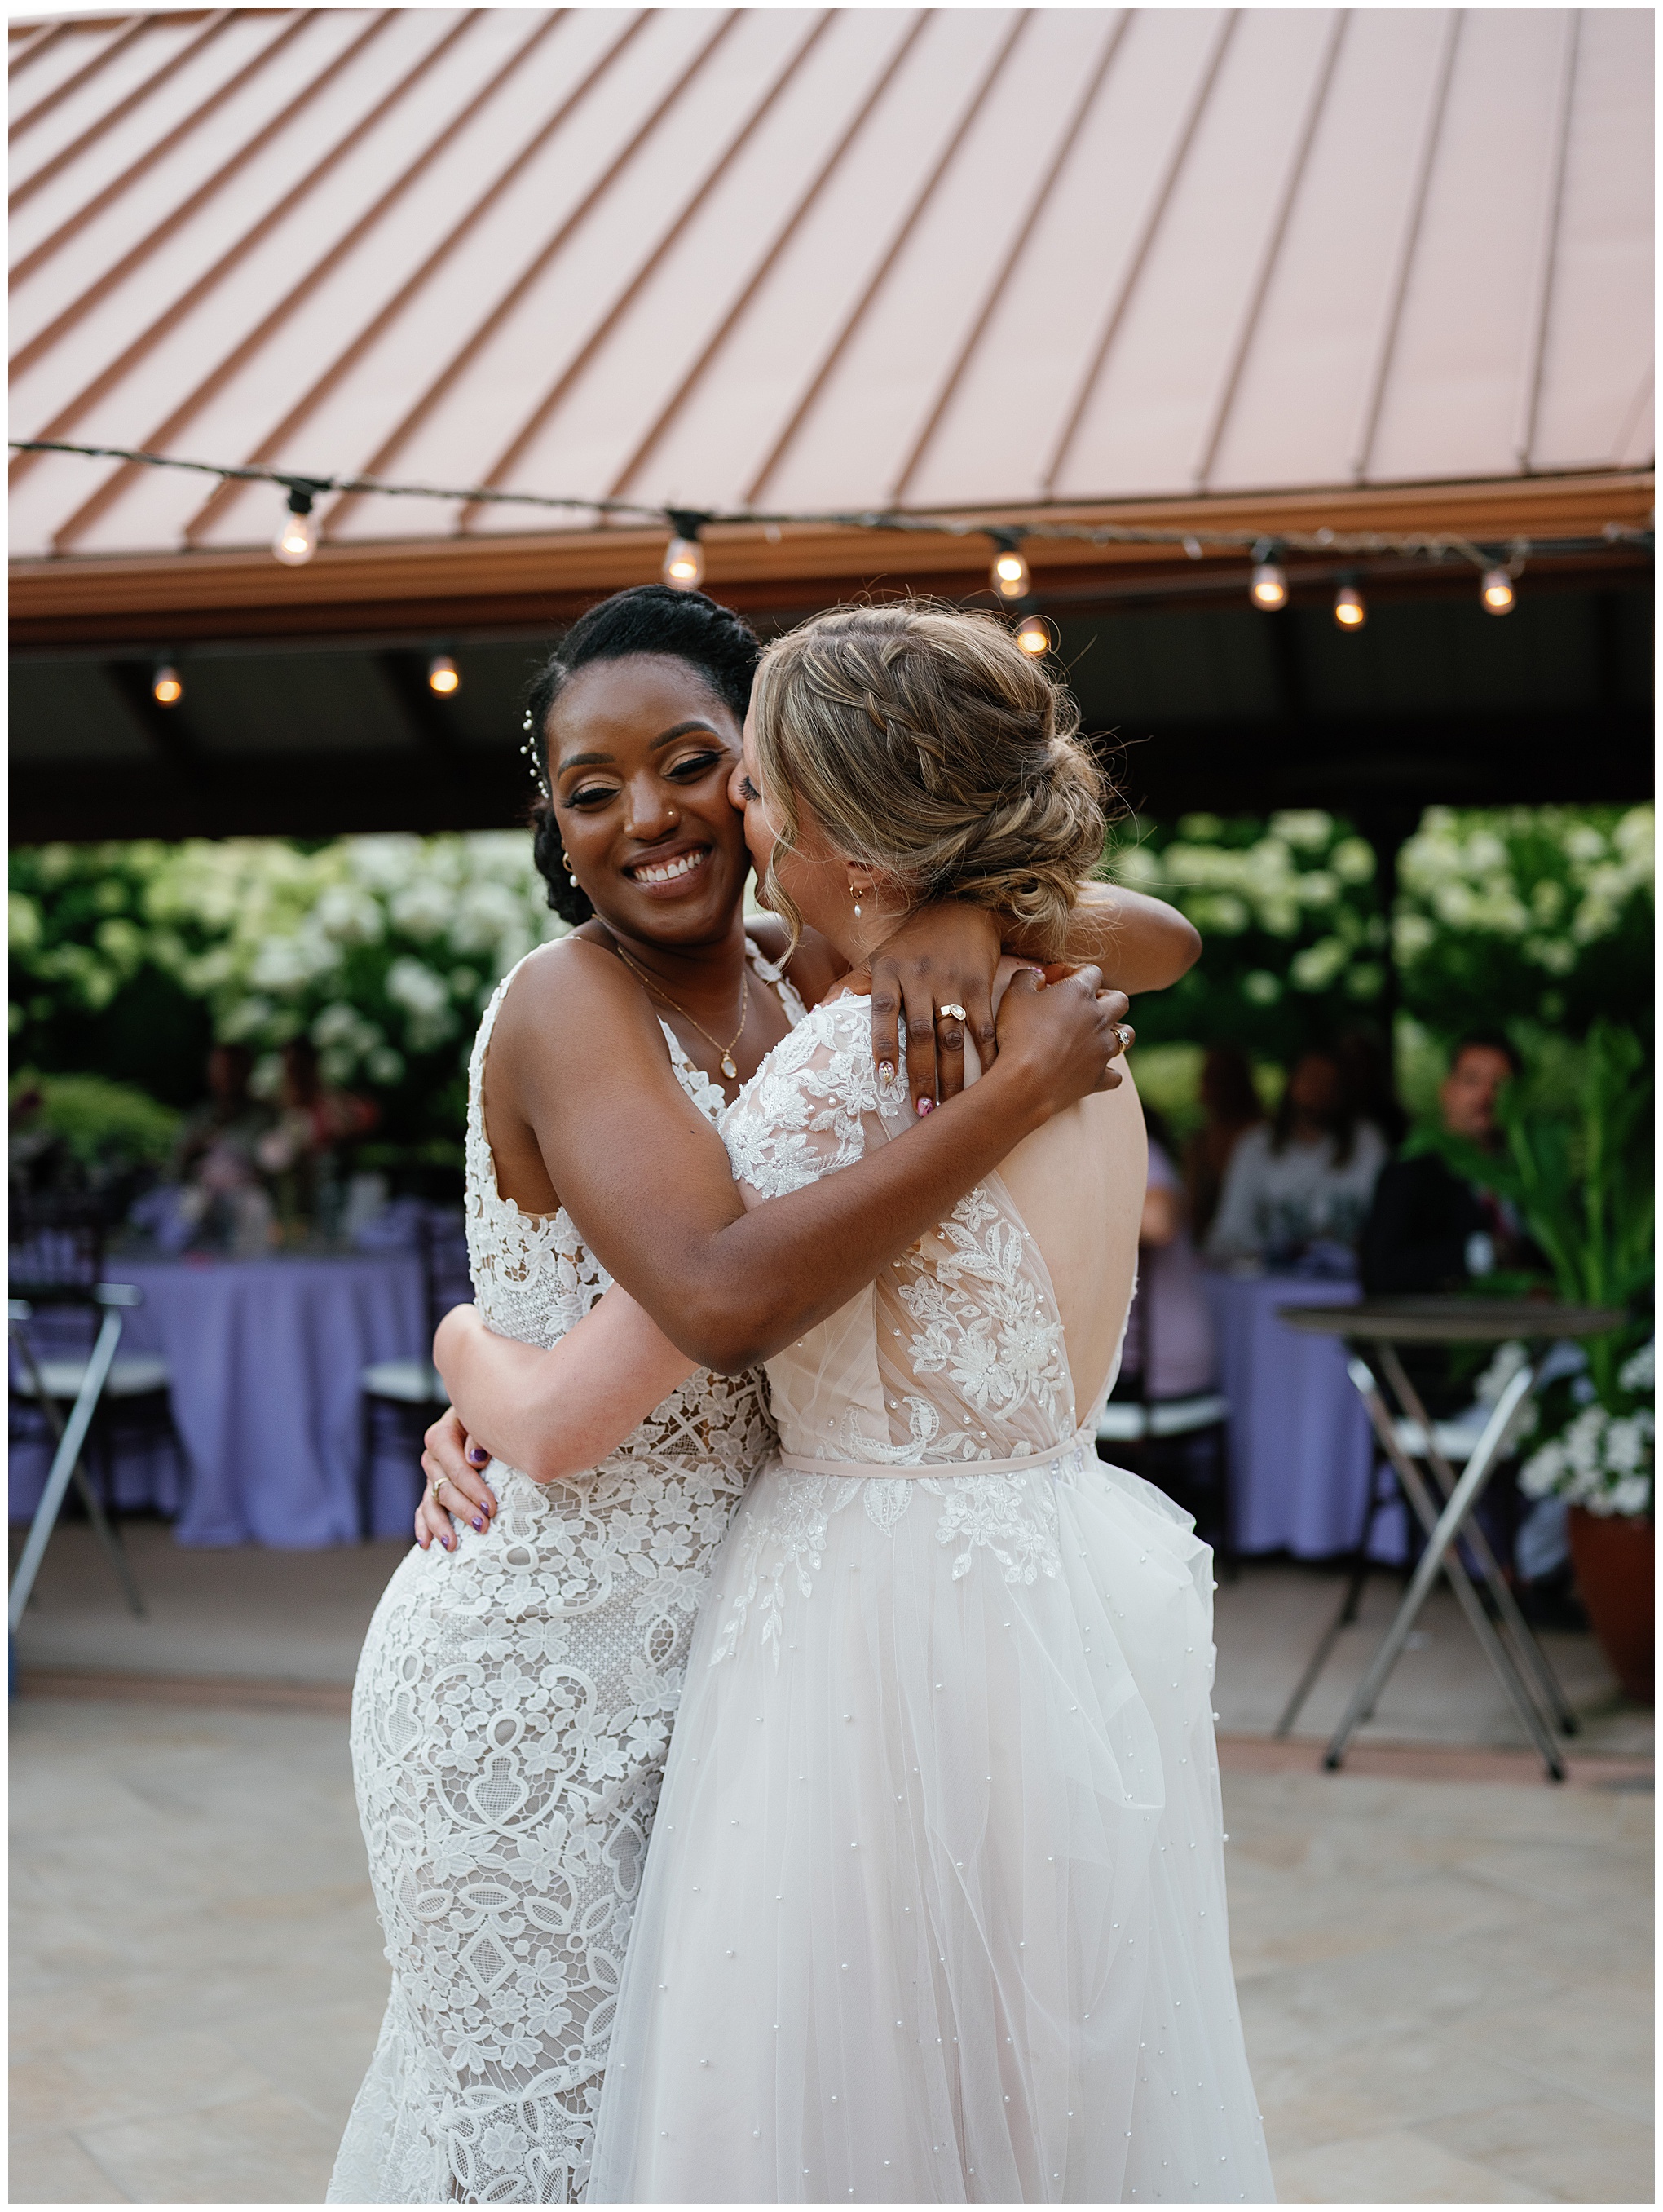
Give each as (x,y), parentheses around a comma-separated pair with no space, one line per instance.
(658,991)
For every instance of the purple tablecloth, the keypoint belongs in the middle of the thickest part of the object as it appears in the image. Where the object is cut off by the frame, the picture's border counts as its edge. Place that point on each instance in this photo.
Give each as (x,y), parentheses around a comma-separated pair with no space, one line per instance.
(265,1357)
(1301,1449)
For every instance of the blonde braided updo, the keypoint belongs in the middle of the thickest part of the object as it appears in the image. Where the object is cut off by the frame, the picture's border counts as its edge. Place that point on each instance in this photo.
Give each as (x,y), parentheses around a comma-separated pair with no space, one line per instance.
(930,749)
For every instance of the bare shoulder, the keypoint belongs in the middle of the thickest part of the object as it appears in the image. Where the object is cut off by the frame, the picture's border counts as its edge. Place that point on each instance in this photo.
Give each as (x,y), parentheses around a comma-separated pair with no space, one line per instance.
(573,988)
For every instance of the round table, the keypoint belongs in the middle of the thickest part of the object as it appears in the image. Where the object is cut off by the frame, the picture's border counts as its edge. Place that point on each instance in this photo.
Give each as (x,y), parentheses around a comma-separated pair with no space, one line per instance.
(1301,1451)
(264,1357)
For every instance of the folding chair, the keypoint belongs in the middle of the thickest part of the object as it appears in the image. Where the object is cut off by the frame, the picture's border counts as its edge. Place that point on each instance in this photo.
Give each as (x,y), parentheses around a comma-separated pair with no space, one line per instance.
(1151,1432)
(402,1398)
(56,1257)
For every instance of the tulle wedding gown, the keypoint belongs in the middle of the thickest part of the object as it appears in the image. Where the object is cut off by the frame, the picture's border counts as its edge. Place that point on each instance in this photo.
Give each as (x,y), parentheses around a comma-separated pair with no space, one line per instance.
(935,1907)
(509,1721)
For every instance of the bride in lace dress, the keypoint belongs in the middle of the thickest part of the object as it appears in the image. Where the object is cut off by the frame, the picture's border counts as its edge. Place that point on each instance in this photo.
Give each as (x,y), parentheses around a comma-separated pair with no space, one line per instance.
(513,1700)
(935,1909)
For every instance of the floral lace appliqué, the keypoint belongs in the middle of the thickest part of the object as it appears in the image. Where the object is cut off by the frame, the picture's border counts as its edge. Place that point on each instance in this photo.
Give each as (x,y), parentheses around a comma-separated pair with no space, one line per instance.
(510,1721)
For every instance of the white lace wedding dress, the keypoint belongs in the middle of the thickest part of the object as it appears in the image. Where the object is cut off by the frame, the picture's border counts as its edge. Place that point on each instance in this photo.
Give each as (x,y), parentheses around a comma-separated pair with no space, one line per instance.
(935,1908)
(509,1722)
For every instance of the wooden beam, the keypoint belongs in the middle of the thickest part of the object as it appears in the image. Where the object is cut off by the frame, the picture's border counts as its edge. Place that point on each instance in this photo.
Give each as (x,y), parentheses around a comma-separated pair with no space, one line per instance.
(494,580)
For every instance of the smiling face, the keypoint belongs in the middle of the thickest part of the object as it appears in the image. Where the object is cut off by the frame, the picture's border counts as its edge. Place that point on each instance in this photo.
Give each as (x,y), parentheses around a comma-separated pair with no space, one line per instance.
(641,753)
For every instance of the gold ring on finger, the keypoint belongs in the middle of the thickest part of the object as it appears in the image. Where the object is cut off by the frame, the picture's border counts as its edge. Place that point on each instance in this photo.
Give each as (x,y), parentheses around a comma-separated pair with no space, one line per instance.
(957,1013)
(1124,1034)
(439,1482)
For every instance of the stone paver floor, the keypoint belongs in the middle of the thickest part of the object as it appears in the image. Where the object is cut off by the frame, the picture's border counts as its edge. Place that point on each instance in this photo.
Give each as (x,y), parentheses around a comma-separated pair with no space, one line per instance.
(1446,1986)
(1446,1983)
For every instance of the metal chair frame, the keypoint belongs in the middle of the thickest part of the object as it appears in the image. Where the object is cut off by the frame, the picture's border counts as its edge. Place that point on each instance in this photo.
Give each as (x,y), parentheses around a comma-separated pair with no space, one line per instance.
(69,1463)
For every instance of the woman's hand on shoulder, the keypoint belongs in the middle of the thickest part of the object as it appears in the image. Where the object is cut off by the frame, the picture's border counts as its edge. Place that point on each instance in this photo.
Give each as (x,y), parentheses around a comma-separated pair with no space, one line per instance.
(1059,1034)
(944,956)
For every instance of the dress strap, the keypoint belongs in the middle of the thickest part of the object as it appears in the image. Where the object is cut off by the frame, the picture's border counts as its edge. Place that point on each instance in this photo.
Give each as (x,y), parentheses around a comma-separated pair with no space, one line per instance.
(1066,1458)
(482,1044)
(773,972)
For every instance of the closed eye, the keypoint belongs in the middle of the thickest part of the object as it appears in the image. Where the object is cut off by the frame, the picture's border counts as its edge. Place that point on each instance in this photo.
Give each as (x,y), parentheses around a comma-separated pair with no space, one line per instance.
(748,790)
(687,771)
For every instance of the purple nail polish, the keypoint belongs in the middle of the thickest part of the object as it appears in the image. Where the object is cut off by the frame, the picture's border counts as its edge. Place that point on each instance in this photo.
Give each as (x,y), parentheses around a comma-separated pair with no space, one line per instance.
(478,1523)
(926,1105)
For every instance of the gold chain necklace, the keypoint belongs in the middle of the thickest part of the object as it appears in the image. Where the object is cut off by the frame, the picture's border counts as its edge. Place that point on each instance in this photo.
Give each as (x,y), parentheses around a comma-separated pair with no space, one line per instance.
(659,991)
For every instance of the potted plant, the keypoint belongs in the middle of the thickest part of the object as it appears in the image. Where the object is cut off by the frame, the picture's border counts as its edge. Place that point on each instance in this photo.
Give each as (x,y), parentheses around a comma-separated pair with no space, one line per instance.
(1600,1462)
(1583,1188)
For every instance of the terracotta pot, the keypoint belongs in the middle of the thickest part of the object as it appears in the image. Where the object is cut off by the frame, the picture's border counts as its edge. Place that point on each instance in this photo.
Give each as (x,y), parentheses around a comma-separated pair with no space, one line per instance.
(1614,1556)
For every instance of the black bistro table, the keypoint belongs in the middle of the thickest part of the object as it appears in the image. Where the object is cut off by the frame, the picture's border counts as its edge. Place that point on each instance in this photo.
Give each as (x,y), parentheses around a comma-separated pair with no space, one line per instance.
(1372,1331)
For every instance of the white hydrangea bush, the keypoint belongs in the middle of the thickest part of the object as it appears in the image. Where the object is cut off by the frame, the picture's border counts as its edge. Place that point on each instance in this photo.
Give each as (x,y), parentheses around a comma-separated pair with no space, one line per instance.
(1288,909)
(383,950)
(1529,910)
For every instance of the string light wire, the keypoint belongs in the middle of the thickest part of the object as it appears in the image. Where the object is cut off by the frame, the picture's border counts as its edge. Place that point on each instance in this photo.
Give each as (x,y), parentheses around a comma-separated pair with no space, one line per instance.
(1194,538)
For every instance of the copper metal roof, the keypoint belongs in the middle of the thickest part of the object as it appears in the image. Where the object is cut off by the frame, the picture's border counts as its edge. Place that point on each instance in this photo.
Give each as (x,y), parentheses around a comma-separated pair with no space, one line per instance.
(966,259)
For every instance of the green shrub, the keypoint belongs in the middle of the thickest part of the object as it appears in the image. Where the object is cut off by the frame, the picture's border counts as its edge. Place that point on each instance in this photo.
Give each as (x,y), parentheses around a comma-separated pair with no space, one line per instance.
(100,1121)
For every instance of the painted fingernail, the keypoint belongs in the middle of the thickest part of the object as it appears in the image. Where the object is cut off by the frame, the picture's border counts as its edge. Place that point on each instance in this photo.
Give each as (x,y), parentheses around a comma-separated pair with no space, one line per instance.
(477,1456)
(886,1071)
(926,1105)
(478,1523)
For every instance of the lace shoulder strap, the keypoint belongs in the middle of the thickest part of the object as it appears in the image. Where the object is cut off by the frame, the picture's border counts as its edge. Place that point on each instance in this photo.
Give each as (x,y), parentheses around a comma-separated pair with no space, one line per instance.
(482,1044)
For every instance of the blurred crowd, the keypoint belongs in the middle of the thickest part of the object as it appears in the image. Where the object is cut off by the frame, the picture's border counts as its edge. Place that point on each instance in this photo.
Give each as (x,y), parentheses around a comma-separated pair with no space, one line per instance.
(1315,1188)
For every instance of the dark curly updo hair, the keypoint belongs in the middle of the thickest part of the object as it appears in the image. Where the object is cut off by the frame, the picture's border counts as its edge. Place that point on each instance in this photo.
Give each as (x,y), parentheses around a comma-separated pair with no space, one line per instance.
(718,645)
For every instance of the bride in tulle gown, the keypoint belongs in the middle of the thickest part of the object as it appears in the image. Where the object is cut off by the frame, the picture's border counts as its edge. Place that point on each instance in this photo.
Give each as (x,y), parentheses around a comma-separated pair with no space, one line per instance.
(935,1908)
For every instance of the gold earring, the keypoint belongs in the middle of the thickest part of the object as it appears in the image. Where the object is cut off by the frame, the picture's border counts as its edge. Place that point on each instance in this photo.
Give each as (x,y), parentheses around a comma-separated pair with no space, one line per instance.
(854,889)
(566,864)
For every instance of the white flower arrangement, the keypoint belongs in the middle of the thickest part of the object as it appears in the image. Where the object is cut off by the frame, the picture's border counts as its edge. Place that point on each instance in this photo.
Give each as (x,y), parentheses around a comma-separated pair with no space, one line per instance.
(1603,1461)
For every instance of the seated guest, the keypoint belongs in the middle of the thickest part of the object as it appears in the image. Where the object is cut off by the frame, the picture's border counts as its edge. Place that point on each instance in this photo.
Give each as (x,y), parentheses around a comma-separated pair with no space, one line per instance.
(231,1119)
(1428,1229)
(1232,1107)
(1169,1350)
(1306,1180)
(302,1152)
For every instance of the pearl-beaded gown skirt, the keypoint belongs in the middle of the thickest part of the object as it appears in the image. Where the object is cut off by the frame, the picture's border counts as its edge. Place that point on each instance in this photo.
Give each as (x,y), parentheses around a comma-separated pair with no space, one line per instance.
(935,1909)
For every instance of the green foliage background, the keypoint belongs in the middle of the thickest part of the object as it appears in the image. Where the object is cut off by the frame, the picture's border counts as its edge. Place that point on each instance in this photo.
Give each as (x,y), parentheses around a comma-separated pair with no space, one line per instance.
(127,959)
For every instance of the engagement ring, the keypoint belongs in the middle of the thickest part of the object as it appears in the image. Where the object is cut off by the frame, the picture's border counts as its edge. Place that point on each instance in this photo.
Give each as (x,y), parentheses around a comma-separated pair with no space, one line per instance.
(957,1013)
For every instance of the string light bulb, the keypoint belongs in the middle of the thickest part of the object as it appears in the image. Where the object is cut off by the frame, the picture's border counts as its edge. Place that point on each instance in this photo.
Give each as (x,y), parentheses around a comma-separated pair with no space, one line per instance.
(1495,592)
(684,564)
(1349,611)
(297,541)
(166,688)
(443,676)
(1034,635)
(684,555)
(1269,588)
(1009,574)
